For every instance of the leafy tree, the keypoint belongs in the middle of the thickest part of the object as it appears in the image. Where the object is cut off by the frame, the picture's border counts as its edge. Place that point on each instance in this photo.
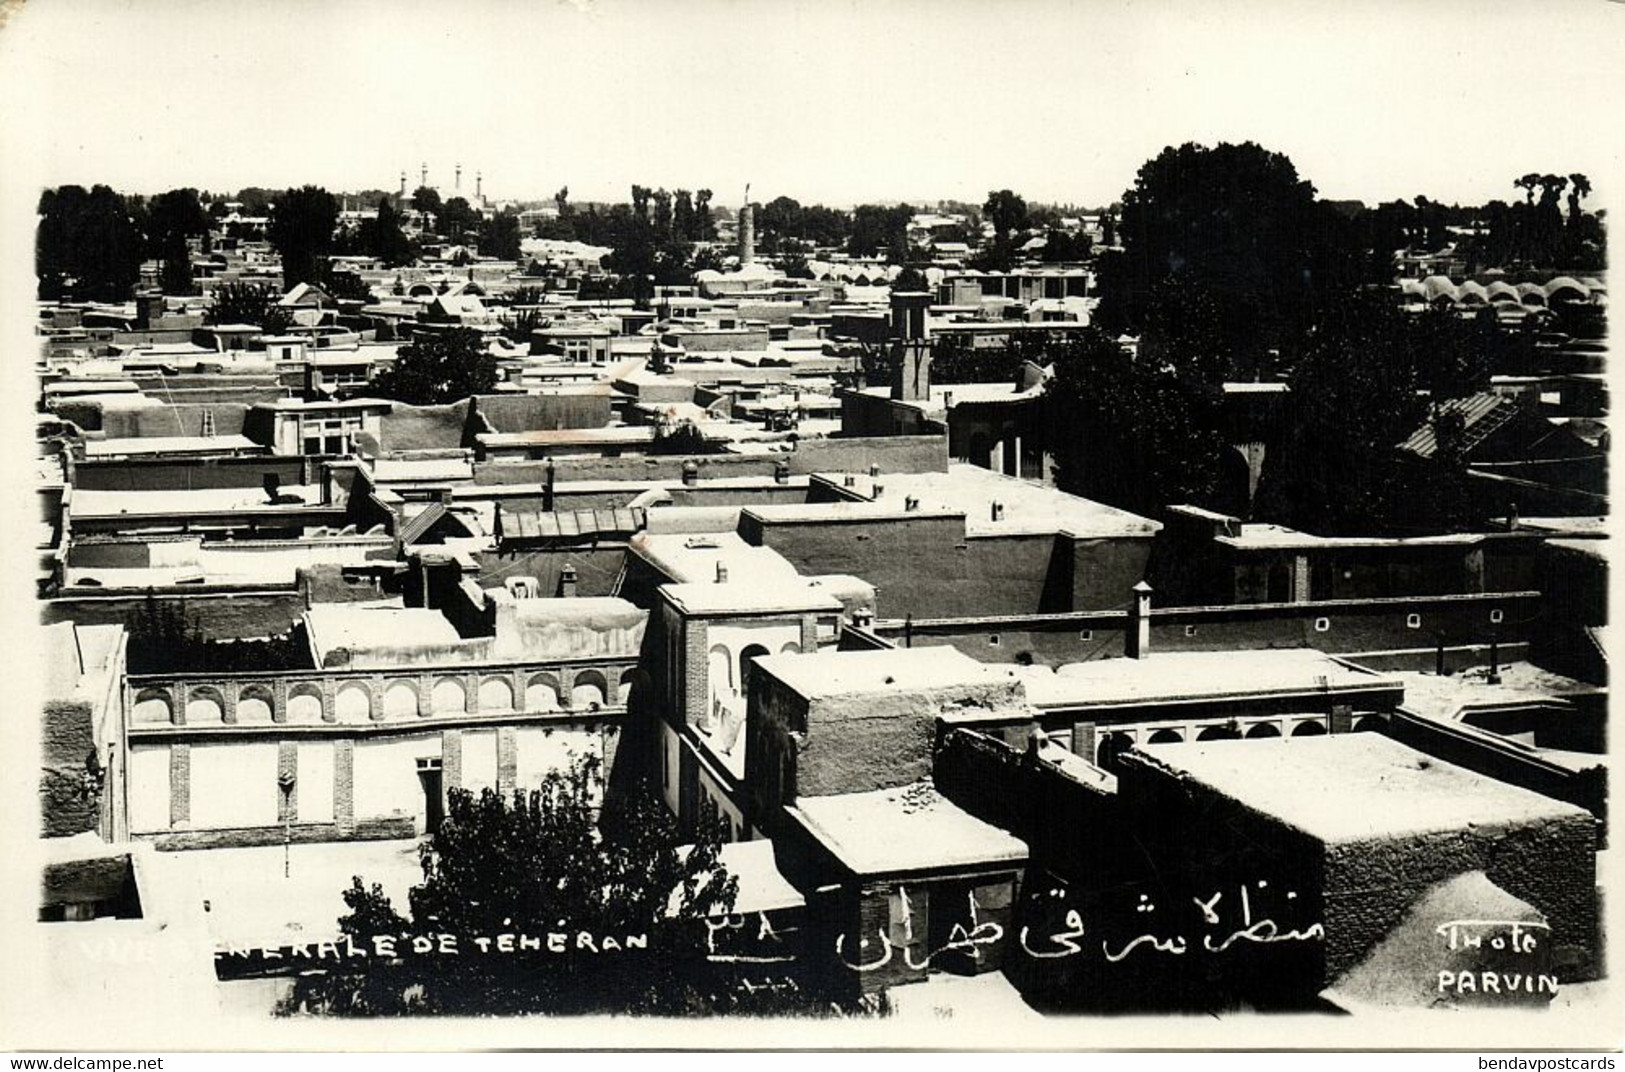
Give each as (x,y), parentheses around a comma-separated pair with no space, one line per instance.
(1238,221)
(566,857)
(346,286)
(912,279)
(438,367)
(1061,247)
(89,244)
(301,229)
(176,276)
(255,200)
(1006,211)
(679,437)
(1360,387)
(458,218)
(878,229)
(562,200)
(705,228)
(427,199)
(383,238)
(501,237)
(1143,437)
(248,303)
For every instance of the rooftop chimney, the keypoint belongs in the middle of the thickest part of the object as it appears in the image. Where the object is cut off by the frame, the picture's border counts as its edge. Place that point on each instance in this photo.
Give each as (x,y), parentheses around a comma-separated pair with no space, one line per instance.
(874,470)
(567,581)
(691,473)
(1137,637)
(910,503)
(781,472)
(722,573)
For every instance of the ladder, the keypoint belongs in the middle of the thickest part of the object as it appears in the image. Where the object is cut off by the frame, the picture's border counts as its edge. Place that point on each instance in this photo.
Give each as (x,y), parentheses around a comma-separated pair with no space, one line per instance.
(208,424)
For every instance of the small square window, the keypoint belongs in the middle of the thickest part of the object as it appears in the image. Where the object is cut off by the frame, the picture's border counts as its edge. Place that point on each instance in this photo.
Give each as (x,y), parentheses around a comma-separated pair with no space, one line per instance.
(993,640)
(1323,625)
(1496,616)
(1087,634)
(1413,621)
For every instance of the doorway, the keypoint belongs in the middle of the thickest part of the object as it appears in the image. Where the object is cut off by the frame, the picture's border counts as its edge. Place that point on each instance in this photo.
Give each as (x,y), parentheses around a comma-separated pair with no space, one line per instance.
(434,798)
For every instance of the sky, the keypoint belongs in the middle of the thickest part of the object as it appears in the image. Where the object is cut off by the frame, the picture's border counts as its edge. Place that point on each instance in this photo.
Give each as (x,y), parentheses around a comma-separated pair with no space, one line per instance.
(834,102)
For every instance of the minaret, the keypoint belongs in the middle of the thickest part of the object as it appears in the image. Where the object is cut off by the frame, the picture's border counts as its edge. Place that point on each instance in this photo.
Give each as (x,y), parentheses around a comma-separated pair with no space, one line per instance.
(403,184)
(423,174)
(457,179)
(747,231)
(479,194)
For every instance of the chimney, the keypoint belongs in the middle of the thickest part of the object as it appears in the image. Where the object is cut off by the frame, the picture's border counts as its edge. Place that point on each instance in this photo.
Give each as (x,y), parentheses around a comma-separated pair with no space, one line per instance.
(691,473)
(910,503)
(849,481)
(997,513)
(1137,637)
(781,472)
(567,582)
(874,471)
(747,235)
(722,573)
(877,490)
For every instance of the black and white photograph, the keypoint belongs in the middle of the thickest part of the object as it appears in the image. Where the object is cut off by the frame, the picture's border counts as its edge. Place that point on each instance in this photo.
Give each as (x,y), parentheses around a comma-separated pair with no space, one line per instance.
(588,524)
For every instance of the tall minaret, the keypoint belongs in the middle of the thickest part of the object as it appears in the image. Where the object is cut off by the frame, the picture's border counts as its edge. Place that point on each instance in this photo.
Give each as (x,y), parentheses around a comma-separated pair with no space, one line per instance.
(403,184)
(457,179)
(479,194)
(423,174)
(747,231)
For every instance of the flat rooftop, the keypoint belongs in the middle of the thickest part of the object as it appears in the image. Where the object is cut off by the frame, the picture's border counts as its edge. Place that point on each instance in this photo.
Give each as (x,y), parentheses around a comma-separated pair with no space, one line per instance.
(357,627)
(910,828)
(694,557)
(226,444)
(1259,537)
(1445,698)
(1200,675)
(110,503)
(1354,786)
(748,595)
(1028,509)
(897,670)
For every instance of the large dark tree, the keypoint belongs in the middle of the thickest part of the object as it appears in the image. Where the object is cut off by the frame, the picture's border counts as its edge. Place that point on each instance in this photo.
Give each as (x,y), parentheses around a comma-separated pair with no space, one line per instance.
(427,199)
(383,238)
(458,220)
(564,858)
(1237,221)
(301,229)
(248,303)
(500,239)
(89,246)
(1139,435)
(880,230)
(436,368)
(1368,377)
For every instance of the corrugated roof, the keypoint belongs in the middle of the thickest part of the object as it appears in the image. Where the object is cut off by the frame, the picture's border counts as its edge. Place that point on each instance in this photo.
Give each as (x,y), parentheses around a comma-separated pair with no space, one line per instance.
(518,523)
(1481,414)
